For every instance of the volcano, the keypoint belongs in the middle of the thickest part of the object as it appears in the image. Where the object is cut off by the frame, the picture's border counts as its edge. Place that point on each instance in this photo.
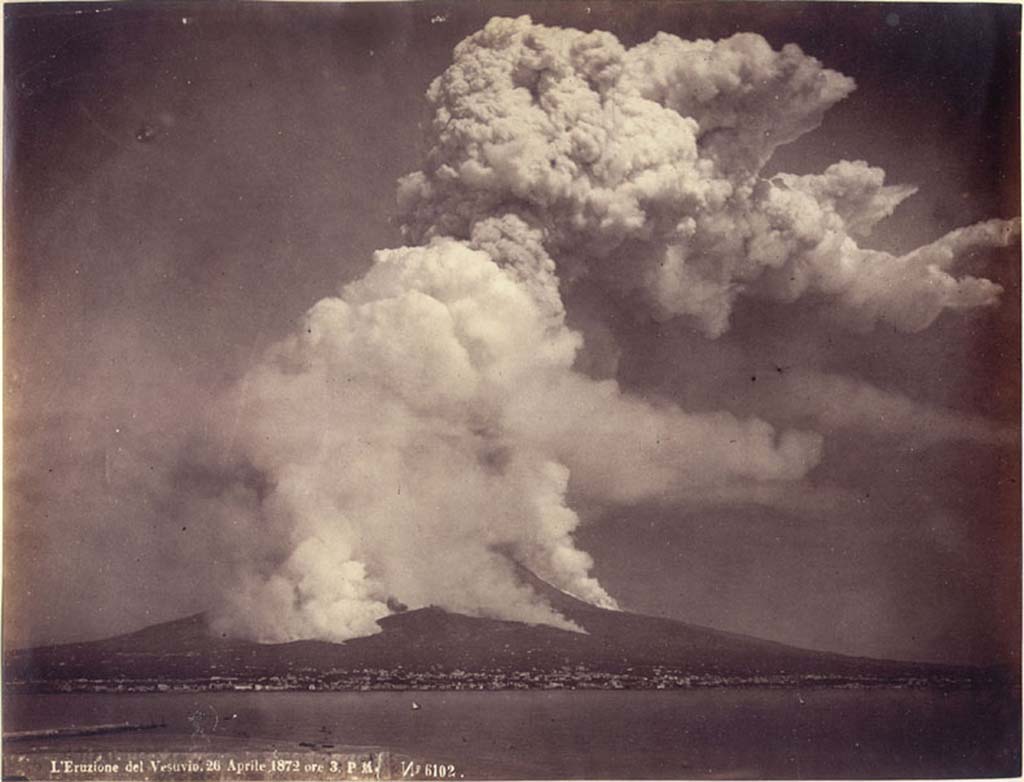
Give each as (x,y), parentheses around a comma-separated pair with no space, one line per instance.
(430,648)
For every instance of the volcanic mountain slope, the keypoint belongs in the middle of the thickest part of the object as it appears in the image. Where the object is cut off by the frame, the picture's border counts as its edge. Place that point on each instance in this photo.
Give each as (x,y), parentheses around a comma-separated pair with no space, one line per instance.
(448,646)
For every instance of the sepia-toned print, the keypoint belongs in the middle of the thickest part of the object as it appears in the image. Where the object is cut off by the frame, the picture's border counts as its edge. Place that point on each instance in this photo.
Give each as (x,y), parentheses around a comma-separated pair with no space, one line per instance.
(506,390)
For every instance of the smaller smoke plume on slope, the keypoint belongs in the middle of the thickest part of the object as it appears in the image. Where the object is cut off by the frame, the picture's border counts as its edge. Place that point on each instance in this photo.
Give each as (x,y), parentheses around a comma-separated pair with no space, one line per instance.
(425,423)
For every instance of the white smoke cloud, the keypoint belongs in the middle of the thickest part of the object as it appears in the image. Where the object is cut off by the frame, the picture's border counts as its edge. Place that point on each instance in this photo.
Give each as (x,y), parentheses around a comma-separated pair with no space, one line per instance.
(641,167)
(427,422)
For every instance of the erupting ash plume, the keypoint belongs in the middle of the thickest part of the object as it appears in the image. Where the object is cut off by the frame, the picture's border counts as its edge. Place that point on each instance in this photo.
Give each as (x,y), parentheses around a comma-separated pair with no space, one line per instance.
(424,424)
(641,168)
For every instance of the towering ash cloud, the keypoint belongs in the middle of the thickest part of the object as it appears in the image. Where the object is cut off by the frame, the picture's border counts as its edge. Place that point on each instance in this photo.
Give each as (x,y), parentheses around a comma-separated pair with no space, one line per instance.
(641,168)
(422,428)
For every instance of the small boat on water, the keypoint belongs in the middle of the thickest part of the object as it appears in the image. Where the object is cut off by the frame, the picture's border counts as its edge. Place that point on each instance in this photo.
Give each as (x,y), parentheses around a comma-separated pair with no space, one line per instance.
(415,706)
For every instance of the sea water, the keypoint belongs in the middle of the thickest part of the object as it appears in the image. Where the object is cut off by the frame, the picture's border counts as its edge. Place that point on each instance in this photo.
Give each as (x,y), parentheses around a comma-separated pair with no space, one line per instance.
(700,733)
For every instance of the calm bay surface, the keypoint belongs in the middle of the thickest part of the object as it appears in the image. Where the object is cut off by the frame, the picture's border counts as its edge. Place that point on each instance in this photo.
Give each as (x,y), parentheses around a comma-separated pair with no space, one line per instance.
(702,733)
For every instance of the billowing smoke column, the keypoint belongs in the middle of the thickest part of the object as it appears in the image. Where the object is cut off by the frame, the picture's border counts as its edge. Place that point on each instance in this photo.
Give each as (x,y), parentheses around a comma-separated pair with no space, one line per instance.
(420,431)
(640,168)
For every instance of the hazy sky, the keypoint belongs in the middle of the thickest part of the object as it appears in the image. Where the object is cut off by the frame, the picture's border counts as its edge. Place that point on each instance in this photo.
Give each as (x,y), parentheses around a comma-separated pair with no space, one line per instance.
(183,182)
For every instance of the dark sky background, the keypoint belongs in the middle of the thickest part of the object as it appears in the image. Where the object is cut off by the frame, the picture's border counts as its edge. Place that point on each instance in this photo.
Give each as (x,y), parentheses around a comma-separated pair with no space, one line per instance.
(183,181)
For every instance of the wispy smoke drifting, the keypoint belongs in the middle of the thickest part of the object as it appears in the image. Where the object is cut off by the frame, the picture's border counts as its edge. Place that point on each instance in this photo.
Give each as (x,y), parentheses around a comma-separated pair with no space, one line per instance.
(426,422)
(836,403)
